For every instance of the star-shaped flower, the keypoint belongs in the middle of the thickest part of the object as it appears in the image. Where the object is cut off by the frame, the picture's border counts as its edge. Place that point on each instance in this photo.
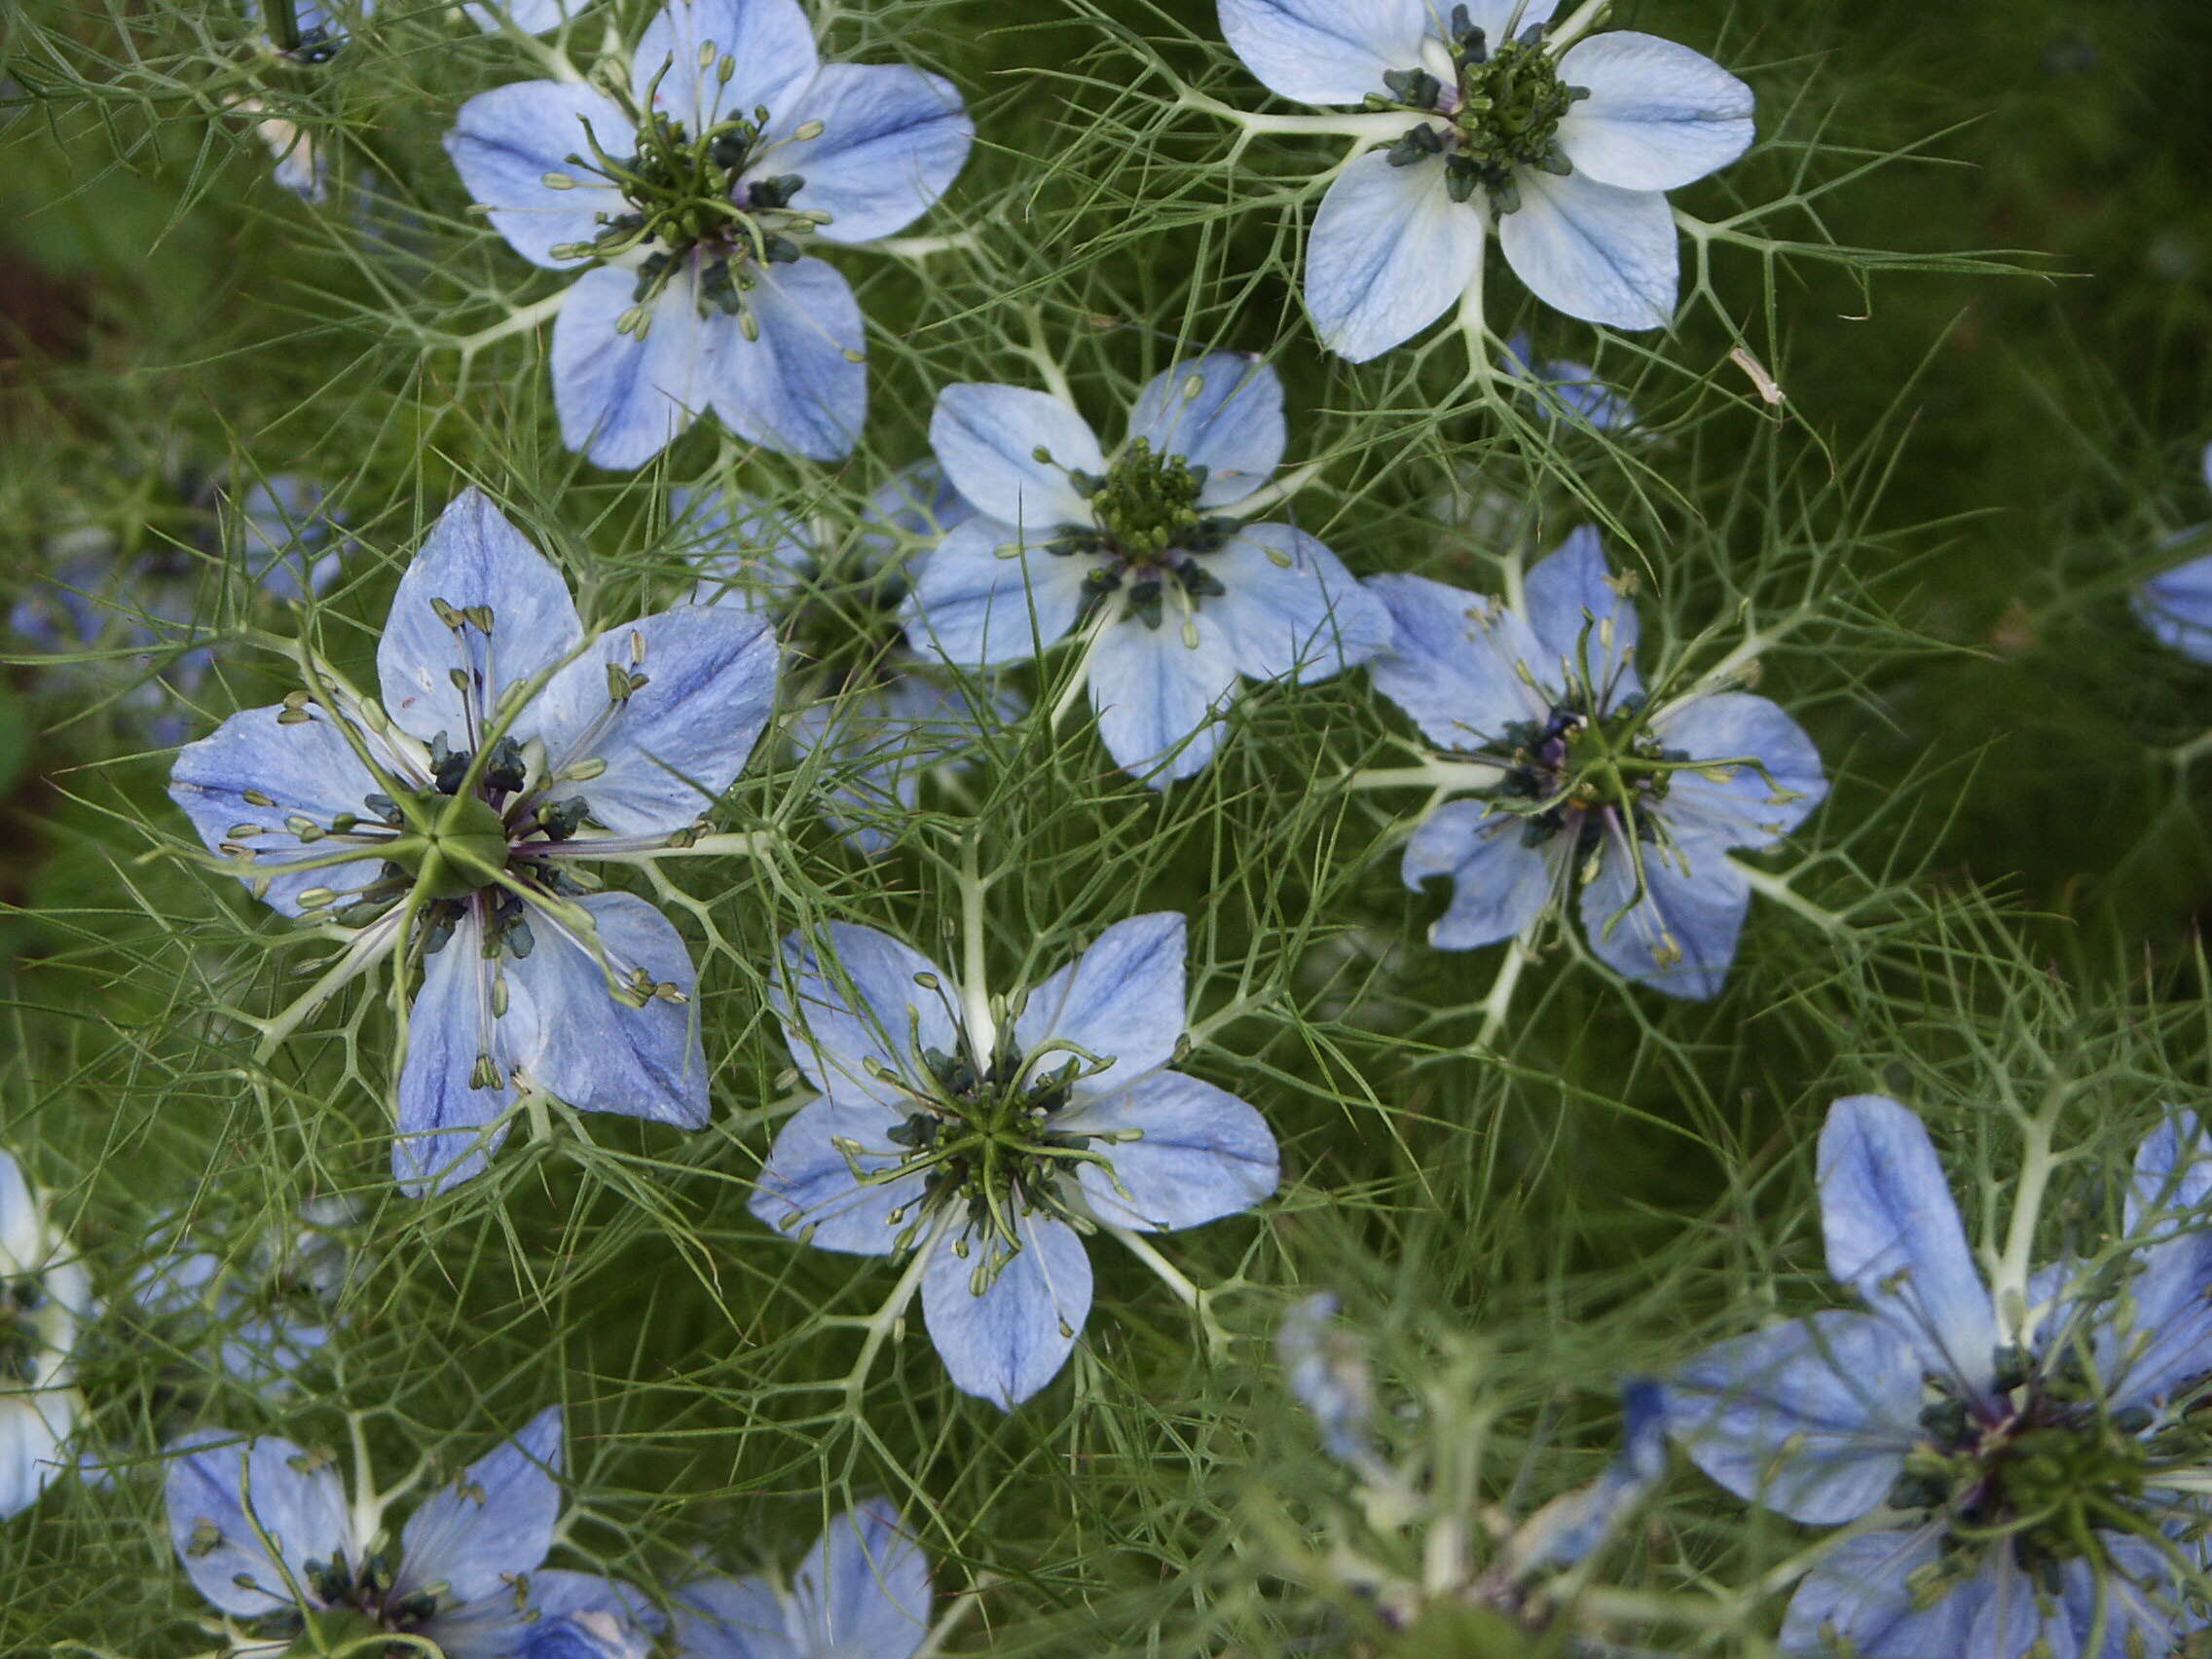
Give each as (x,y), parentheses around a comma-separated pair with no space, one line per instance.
(689,199)
(863,1592)
(993,1150)
(452,826)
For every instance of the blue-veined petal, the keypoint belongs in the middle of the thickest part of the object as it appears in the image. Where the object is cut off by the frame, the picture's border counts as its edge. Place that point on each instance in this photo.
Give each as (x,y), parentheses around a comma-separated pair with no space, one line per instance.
(1665,915)
(678,58)
(979,601)
(748,554)
(1500,882)
(595,1050)
(299,1515)
(1893,1236)
(1325,51)
(1658,114)
(1155,691)
(893,140)
(860,1001)
(448,1125)
(305,769)
(1811,1419)
(1199,1153)
(1507,19)
(1453,662)
(507,142)
(2172,1176)
(531,17)
(35,1426)
(492,1522)
(622,399)
(678,741)
(1120,1000)
(2176,606)
(811,1189)
(1390,252)
(2017,1619)
(1738,806)
(1858,1599)
(986,438)
(617,1618)
(1008,1341)
(734,1618)
(1594,252)
(473,557)
(864,1588)
(1222,412)
(1581,619)
(1292,611)
(800,386)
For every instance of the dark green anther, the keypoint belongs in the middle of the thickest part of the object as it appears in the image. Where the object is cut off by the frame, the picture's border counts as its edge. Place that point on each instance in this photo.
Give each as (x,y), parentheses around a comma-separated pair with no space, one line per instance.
(1144,600)
(1415,87)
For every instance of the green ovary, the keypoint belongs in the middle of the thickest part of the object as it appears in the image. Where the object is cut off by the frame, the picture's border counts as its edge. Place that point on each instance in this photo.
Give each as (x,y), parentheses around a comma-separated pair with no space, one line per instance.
(1148,503)
(464,850)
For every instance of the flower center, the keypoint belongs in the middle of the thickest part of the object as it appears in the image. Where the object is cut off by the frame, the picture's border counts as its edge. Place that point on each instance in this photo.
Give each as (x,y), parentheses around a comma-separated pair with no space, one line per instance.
(687,201)
(463,848)
(1148,527)
(1504,104)
(1573,768)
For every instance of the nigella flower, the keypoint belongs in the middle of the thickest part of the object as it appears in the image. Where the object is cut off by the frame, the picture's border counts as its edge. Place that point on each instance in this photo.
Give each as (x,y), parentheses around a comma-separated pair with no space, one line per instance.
(993,1149)
(2028,1463)
(1565,147)
(1635,799)
(1325,1366)
(1560,383)
(283,535)
(44,1298)
(265,1531)
(451,829)
(260,1308)
(1184,594)
(886,719)
(2177,604)
(863,1592)
(692,197)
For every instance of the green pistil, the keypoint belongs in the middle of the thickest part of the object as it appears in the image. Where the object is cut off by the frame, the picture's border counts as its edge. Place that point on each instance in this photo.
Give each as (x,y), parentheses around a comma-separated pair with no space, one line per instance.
(1504,111)
(1147,504)
(1573,765)
(462,848)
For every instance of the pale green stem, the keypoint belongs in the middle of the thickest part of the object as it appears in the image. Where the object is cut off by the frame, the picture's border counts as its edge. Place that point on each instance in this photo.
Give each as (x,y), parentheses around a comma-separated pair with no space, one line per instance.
(371,945)
(1281,489)
(1080,680)
(1371,128)
(1434,773)
(1499,1002)
(1189,1295)
(886,1318)
(2008,1281)
(1574,26)
(1767,885)
(975,992)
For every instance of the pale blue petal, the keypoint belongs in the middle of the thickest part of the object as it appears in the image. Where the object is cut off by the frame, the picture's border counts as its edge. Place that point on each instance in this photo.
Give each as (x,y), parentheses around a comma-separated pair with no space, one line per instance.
(801,386)
(1893,1236)
(916,505)
(506,142)
(2137,1603)
(1222,412)
(2173,1176)
(1569,1528)
(885,737)
(1154,692)
(893,140)
(2159,1337)
(531,17)
(1325,51)
(473,556)
(986,438)
(1500,20)
(1200,1153)
(1453,662)
(23,1246)
(2016,1619)
(1120,1000)
(1740,806)
(768,42)
(977,603)
(2176,606)
(864,1588)
(749,555)
(621,399)
(808,1191)
(1666,916)
(1592,252)
(1658,114)
(1008,1341)
(1500,882)
(1577,616)
(1390,254)
(1811,1419)
(1292,611)
(599,1054)
(1564,386)
(734,1618)
(491,1522)
(299,1515)
(615,1615)
(1326,1370)
(306,768)
(858,1004)
(34,1426)
(1856,1599)
(283,535)
(679,740)
(447,1128)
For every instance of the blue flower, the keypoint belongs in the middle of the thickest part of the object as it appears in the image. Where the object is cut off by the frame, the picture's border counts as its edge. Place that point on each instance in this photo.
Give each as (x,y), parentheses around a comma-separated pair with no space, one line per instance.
(1638,800)
(861,1592)
(1565,150)
(1570,1529)
(46,1298)
(1184,594)
(283,536)
(1560,385)
(447,827)
(265,1532)
(2011,1450)
(693,210)
(993,1152)
(893,718)
(260,1313)
(2177,605)
(1326,1368)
